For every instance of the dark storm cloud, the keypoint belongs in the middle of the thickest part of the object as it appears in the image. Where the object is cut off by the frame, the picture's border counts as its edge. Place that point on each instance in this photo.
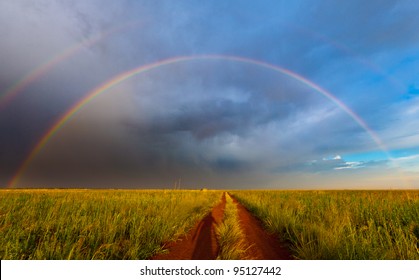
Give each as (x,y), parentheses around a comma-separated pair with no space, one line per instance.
(215,117)
(203,119)
(210,116)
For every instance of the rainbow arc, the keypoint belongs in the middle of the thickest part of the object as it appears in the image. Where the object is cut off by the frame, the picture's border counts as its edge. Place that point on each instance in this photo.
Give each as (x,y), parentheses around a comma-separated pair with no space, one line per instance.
(96,92)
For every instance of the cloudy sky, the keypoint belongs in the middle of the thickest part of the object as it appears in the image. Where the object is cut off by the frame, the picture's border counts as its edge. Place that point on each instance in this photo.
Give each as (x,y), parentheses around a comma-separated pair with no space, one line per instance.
(268,94)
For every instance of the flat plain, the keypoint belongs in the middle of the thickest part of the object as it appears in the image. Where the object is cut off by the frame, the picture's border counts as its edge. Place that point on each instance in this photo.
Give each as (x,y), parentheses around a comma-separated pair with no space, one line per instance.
(209,224)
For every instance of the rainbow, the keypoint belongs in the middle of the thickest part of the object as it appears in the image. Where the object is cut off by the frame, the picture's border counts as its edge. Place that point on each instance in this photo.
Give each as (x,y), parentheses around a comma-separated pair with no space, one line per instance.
(48,65)
(144,68)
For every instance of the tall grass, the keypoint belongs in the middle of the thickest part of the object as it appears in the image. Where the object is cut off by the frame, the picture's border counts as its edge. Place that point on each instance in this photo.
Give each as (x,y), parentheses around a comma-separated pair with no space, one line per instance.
(229,233)
(95,224)
(341,224)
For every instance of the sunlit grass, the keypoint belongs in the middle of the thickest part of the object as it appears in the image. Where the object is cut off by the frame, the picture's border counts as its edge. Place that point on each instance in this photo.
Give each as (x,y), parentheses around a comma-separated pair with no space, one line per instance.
(341,224)
(127,224)
(229,233)
(96,224)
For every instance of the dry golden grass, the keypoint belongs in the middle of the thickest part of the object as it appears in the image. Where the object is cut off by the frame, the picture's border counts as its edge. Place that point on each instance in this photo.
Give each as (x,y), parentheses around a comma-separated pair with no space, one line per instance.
(96,224)
(229,233)
(341,224)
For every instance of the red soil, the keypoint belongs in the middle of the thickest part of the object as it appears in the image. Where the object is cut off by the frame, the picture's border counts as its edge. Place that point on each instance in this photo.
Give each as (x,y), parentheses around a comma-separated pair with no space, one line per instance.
(261,245)
(201,242)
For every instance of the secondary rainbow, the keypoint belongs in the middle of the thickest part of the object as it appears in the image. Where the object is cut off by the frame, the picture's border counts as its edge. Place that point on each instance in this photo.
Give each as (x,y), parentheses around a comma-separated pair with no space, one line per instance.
(144,68)
(55,60)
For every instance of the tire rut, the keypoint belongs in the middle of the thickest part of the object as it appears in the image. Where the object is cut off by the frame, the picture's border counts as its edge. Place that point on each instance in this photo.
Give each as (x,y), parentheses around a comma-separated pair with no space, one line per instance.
(260,244)
(201,241)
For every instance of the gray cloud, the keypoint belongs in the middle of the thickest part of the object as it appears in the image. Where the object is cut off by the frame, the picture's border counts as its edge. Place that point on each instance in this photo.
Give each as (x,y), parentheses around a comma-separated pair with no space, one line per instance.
(212,121)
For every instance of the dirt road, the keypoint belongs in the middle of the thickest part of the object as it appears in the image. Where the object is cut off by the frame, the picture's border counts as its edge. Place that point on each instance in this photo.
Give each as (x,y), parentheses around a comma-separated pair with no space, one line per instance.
(261,245)
(201,242)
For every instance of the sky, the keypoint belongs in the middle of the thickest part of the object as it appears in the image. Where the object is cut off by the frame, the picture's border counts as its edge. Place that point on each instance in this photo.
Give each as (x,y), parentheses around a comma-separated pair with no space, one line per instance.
(216,94)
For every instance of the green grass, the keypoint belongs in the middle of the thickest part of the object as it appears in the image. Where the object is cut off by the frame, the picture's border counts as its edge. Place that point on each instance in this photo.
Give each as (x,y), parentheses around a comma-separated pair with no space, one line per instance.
(229,233)
(341,224)
(129,224)
(96,224)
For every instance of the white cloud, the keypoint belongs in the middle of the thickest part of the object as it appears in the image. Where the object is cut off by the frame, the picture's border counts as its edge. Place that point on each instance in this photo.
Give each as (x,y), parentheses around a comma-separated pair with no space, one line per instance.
(351,165)
(336,157)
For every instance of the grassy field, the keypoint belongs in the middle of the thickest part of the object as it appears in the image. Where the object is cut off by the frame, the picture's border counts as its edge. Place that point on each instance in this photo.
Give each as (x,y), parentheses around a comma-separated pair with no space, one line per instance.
(340,224)
(96,224)
(131,224)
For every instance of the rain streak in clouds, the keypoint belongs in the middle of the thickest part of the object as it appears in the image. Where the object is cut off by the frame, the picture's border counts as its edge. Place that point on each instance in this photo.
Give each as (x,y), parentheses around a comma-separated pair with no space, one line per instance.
(214,123)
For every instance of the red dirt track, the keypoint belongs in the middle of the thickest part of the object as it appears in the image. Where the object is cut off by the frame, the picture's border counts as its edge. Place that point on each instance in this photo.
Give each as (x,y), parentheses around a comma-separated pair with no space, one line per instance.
(261,245)
(201,242)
